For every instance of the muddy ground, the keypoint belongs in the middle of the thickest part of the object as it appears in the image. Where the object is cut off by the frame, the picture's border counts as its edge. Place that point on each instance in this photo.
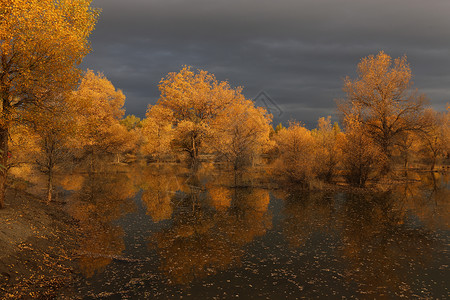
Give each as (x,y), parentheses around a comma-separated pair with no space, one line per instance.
(37,242)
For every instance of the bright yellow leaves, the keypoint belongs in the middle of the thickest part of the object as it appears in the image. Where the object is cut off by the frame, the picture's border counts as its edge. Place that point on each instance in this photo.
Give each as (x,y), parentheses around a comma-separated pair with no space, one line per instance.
(191,100)
(241,133)
(42,42)
(296,146)
(99,108)
(380,99)
(196,113)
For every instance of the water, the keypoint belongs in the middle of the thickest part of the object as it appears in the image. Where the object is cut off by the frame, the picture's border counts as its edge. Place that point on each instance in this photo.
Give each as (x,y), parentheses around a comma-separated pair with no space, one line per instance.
(161,234)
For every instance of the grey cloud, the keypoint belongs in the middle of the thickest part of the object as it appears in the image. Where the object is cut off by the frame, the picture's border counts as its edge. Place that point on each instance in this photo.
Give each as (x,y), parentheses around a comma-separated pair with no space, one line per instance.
(297,51)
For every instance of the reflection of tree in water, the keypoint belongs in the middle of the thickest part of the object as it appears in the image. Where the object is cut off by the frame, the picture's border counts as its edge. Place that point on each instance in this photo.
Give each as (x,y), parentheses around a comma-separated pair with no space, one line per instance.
(306,213)
(381,244)
(102,199)
(387,237)
(158,188)
(432,204)
(208,229)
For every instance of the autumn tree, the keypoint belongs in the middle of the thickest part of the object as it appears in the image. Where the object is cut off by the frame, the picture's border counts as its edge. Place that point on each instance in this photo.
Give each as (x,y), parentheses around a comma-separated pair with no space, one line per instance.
(382,101)
(329,151)
(434,140)
(131,122)
(240,133)
(53,127)
(406,146)
(194,99)
(296,147)
(361,154)
(99,109)
(157,131)
(42,41)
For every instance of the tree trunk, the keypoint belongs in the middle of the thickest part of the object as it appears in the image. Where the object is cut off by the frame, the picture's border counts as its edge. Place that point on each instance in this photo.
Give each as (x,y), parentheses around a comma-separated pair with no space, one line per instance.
(433,163)
(50,185)
(4,164)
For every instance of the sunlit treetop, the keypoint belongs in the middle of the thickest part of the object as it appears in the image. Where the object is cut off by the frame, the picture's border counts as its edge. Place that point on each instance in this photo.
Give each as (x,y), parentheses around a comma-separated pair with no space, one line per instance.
(42,41)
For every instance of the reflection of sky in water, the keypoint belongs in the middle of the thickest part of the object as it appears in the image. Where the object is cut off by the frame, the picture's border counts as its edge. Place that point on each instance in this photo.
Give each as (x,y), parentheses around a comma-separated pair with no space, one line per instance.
(196,238)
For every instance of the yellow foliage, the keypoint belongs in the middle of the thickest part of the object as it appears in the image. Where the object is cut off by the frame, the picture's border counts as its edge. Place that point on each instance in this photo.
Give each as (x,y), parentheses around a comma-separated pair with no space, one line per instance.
(99,109)
(42,42)
(157,130)
(240,132)
(296,146)
(329,148)
(362,156)
(381,101)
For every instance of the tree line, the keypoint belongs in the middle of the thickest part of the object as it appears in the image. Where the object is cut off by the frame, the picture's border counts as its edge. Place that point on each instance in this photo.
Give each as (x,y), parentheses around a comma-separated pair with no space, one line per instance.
(53,115)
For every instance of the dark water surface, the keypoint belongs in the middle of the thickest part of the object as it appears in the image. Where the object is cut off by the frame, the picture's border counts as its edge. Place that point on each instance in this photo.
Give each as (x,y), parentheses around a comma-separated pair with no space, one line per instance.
(158,234)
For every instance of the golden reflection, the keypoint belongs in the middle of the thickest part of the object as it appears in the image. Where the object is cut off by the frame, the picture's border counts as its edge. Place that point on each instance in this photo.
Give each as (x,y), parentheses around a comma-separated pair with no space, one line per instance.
(102,199)
(380,243)
(220,198)
(209,229)
(158,188)
(386,236)
(306,213)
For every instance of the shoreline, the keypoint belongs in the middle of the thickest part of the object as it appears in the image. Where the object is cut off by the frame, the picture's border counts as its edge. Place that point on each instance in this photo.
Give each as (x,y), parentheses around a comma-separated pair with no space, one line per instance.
(36,247)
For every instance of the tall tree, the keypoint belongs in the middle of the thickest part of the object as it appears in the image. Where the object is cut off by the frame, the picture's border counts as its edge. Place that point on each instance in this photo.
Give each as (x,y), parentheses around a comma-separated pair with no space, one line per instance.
(194,99)
(99,109)
(42,41)
(53,127)
(240,133)
(381,99)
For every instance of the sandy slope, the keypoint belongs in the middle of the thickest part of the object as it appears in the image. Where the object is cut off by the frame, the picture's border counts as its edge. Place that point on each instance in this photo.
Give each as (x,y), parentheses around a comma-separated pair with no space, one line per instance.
(36,242)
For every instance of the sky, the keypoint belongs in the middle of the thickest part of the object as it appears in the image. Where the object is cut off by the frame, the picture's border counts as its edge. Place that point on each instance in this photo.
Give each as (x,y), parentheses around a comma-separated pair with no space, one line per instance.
(289,55)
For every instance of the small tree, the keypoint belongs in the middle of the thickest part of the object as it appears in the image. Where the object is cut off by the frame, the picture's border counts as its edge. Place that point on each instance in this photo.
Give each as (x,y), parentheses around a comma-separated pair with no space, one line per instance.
(157,131)
(433,141)
(329,152)
(53,127)
(361,155)
(297,147)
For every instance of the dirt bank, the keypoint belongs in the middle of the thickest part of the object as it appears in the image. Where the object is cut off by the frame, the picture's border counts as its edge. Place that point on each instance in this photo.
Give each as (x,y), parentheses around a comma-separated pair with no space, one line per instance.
(36,245)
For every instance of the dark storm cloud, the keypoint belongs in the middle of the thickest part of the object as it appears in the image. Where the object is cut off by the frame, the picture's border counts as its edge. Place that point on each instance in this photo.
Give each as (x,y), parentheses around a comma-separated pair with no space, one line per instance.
(297,51)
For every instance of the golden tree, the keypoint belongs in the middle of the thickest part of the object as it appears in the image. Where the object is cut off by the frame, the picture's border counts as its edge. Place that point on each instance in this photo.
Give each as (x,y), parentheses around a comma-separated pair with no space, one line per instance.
(434,140)
(240,132)
(361,155)
(329,153)
(296,147)
(194,99)
(157,131)
(99,108)
(381,99)
(53,127)
(42,41)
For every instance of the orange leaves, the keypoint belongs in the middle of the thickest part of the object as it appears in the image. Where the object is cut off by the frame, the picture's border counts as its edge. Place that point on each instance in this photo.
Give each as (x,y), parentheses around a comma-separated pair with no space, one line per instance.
(43,40)
(198,113)
(99,108)
(240,132)
(296,146)
(380,104)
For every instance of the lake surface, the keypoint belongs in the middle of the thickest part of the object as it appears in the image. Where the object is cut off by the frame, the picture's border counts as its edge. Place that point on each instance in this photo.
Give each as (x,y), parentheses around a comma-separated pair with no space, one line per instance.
(164,233)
